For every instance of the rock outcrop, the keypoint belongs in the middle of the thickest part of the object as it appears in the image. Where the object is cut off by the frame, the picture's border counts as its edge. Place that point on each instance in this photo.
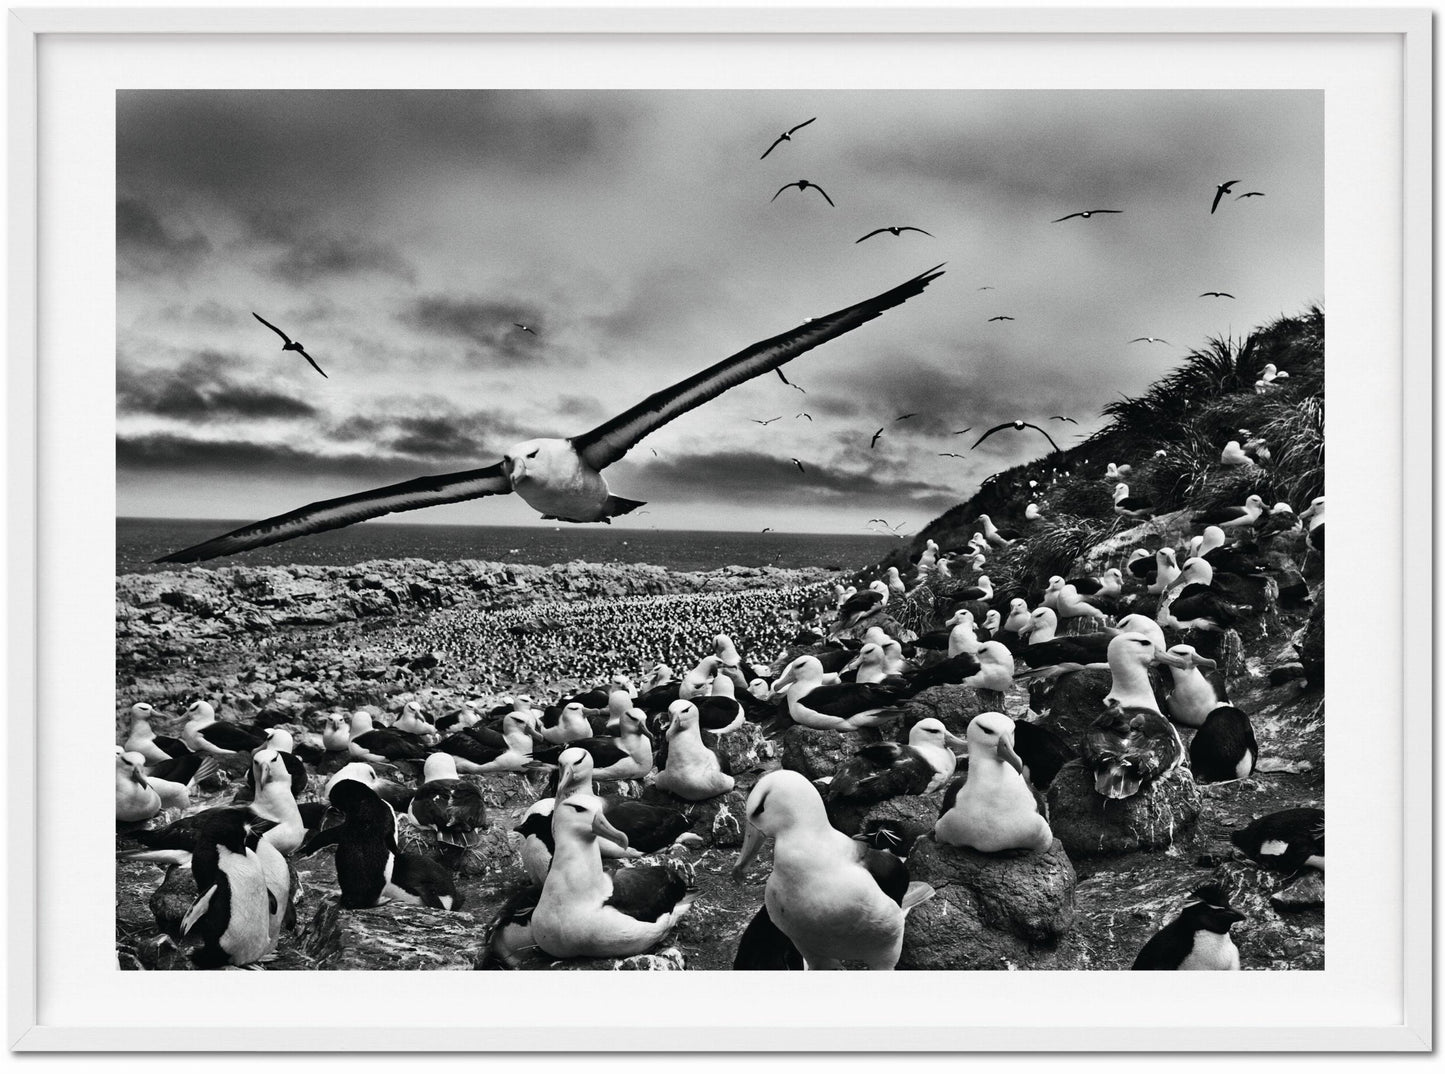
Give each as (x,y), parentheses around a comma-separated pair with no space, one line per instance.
(1092,826)
(991,911)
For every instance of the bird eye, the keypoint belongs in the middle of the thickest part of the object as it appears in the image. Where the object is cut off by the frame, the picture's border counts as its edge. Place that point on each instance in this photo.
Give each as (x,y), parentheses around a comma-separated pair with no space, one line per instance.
(578,808)
(533,454)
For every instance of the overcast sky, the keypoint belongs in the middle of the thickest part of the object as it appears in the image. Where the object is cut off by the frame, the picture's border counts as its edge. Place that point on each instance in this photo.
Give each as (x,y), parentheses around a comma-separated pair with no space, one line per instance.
(398,236)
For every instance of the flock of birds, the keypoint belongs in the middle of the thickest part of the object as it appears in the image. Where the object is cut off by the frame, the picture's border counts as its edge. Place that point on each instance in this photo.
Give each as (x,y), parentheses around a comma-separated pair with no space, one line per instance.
(394,794)
(626,766)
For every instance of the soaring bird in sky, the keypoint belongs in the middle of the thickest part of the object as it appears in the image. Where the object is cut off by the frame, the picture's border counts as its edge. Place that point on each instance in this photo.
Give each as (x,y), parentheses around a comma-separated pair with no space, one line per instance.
(1148,339)
(905,417)
(951,455)
(1086,214)
(524,327)
(893,231)
(874,442)
(804,414)
(1251,194)
(1018,425)
(1216,294)
(562,478)
(288,345)
(1001,317)
(786,136)
(799,465)
(765,421)
(1060,417)
(960,432)
(1219,192)
(804,184)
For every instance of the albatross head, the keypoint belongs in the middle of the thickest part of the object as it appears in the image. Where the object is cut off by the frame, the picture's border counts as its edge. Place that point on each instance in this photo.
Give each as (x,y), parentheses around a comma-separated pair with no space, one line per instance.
(543,459)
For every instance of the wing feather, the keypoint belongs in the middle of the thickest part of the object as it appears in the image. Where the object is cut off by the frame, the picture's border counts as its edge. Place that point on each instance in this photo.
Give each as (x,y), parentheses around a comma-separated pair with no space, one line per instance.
(996,428)
(345,510)
(612,440)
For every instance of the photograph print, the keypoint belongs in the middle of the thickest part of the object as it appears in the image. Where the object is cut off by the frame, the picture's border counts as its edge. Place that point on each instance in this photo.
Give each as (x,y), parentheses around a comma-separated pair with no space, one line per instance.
(719,530)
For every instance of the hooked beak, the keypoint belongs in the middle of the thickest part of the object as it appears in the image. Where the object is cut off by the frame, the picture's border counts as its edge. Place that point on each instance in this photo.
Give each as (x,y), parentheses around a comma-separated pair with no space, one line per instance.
(854,663)
(953,740)
(1170,659)
(604,827)
(1006,753)
(752,843)
(1204,662)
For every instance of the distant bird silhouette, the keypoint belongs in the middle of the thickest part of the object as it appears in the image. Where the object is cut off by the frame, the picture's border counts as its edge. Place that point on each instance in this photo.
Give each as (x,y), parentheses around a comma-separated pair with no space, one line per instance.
(787,136)
(986,288)
(784,379)
(905,417)
(289,345)
(1149,339)
(1219,192)
(804,184)
(1060,417)
(950,455)
(767,529)
(874,442)
(654,451)
(1001,317)
(1018,426)
(804,414)
(1251,194)
(524,328)
(960,432)
(760,421)
(893,231)
(799,465)
(896,531)
(1216,294)
(1086,214)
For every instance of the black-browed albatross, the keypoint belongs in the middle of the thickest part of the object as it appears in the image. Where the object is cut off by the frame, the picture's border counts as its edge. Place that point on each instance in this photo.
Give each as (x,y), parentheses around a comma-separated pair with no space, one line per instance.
(561,478)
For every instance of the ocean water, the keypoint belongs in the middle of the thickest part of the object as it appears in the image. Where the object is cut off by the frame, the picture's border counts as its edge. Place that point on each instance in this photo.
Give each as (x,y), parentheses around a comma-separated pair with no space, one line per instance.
(140,540)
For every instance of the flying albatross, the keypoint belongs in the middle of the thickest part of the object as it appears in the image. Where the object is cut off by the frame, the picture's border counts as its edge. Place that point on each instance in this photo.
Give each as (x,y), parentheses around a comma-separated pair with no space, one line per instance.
(561,478)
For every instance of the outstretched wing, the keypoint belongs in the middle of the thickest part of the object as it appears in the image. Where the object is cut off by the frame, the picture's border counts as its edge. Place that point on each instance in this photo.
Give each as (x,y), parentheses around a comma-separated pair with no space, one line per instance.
(612,440)
(820,190)
(870,234)
(770,148)
(271,326)
(781,188)
(1061,219)
(343,511)
(917,229)
(314,365)
(996,428)
(801,125)
(1047,437)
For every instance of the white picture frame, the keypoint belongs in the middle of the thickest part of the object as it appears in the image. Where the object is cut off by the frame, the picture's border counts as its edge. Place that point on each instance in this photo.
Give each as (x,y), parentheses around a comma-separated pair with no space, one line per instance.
(1387,1010)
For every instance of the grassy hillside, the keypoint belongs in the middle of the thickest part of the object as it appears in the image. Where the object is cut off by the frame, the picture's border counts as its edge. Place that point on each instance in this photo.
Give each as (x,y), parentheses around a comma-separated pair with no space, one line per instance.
(1172,436)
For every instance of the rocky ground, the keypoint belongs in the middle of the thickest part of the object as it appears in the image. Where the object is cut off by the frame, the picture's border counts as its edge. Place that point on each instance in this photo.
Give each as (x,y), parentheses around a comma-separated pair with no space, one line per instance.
(302,641)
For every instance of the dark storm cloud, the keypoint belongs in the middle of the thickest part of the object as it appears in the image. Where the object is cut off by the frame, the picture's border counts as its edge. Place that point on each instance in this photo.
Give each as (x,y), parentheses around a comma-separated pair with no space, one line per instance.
(490,325)
(316,257)
(144,241)
(427,430)
(258,147)
(757,478)
(163,452)
(199,392)
(432,438)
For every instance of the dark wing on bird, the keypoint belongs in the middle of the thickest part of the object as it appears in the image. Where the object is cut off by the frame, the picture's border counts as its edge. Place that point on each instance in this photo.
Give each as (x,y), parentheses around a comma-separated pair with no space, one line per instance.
(799,465)
(1047,437)
(995,429)
(1061,219)
(874,441)
(612,440)
(784,379)
(344,510)
(800,126)
(917,229)
(313,364)
(271,326)
(764,946)
(1220,191)
(645,892)
(820,190)
(1060,417)
(876,231)
(781,189)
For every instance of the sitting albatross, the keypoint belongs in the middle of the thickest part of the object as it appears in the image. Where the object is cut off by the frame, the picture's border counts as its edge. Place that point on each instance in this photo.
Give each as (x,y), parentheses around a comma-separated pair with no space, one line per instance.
(561,478)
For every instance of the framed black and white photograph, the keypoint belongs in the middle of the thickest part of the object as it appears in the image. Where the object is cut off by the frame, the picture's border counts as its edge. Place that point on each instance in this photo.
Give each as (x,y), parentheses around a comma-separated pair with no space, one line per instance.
(710,491)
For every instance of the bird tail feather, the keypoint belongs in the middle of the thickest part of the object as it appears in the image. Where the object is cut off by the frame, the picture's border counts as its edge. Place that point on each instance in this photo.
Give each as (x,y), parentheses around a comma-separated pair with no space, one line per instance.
(918,892)
(616,505)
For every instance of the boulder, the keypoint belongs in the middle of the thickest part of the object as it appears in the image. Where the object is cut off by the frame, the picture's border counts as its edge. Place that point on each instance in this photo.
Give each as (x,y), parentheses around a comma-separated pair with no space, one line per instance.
(746,749)
(912,815)
(1091,826)
(170,902)
(1076,701)
(390,937)
(990,911)
(1306,893)
(955,706)
(817,754)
